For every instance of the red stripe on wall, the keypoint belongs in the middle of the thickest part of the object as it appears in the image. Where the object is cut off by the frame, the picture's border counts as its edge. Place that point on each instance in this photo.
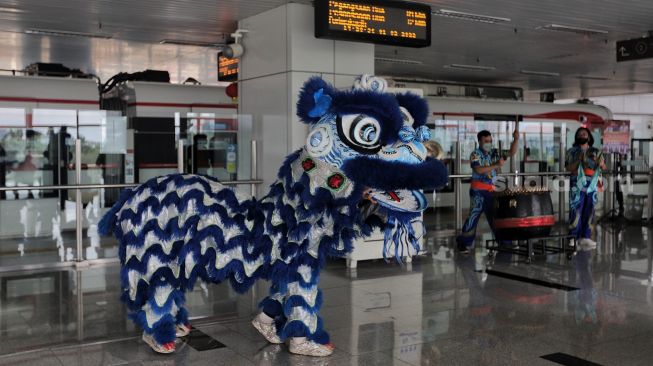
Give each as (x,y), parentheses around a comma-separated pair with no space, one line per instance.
(44,100)
(453,114)
(519,222)
(566,115)
(181,105)
(156,165)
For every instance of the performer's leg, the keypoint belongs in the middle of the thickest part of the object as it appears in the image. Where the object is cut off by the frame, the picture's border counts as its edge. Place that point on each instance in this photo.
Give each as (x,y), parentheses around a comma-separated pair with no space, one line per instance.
(576,200)
(271,318)
(157,318)
(488,209)
(182,324)
(588,214)
(466,238)
(301,307)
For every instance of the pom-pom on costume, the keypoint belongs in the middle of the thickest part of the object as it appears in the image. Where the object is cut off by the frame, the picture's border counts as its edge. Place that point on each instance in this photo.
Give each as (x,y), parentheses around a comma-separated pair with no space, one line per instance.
(177,229)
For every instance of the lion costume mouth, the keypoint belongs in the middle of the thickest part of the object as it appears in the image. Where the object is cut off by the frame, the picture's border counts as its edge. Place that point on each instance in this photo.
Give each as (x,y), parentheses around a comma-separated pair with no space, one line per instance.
(407,201)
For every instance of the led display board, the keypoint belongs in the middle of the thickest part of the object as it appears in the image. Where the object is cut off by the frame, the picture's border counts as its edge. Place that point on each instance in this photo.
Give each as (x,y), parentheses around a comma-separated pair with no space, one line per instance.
(227,68)
(382,22)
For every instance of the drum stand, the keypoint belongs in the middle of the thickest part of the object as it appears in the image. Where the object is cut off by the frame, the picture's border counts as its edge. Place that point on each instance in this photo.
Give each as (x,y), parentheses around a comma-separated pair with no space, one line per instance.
(529,248)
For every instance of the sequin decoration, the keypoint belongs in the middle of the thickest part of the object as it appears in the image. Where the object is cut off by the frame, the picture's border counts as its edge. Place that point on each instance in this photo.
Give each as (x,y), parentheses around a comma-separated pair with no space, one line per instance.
(308,164)
(336,181)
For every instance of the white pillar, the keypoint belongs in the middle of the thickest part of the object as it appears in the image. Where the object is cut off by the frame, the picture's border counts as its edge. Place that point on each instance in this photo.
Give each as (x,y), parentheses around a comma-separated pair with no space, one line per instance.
(281,53)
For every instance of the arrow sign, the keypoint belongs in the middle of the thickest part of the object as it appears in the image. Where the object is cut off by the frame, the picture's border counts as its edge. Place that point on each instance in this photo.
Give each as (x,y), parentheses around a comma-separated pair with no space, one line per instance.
(635,49)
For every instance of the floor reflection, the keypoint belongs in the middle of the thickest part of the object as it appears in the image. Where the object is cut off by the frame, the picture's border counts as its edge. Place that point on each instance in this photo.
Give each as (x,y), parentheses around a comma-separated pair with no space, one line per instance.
(444,309)
(37,231)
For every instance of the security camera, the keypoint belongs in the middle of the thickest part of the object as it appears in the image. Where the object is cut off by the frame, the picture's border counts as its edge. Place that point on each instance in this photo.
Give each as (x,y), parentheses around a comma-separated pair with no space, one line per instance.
(235,49)
(582,118)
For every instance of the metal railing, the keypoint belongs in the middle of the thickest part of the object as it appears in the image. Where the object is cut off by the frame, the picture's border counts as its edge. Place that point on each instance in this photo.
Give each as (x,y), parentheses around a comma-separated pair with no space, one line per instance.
(80,261)
(457,183)
(113,185)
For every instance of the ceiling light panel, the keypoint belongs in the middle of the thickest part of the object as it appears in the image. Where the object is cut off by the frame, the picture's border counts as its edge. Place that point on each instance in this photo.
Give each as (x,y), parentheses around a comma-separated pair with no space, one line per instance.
(470,16)
(584,77)
(5,9)
(398,61)
(181,42)
(539,73)
(60,33)
(572,29)
(470,67)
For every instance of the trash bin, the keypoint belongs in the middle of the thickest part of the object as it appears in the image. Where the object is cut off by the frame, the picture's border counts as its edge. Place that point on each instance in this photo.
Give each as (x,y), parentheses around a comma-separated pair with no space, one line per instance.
(635,204)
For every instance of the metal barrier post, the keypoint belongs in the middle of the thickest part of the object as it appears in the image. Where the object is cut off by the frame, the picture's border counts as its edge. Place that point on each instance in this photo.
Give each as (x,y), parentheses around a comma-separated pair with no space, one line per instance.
(457,189)
(80,305)
(650,194)
(253,167)
(79,206)
(608,186)
(561,190)
(79,226)
(180,156)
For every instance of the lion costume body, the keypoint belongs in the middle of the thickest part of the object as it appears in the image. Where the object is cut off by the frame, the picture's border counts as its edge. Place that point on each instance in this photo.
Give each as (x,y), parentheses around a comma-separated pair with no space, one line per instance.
(177,229)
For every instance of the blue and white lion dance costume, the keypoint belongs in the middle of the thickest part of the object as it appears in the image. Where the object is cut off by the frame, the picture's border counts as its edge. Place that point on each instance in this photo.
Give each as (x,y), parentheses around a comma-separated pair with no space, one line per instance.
(177,229)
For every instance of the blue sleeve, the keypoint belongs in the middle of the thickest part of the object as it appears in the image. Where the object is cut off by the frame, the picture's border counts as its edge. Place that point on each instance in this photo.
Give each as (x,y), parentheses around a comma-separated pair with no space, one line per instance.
(474,160)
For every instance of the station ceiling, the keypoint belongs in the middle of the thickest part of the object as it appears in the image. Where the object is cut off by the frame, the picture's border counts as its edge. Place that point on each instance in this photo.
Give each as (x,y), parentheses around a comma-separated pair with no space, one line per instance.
(519,41)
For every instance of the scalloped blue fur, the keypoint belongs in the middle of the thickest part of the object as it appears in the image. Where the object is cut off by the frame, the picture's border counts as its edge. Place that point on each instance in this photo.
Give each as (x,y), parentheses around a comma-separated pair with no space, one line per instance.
(416,106)
(306,102)
(382,106)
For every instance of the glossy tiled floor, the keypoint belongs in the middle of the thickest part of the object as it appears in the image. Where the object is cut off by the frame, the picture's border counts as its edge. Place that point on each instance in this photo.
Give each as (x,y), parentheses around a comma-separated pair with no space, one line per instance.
(443,309)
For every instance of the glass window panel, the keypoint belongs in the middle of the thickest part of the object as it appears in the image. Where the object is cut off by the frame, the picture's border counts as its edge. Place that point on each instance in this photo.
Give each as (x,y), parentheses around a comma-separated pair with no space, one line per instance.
(13,117)
(92,117)
(213,140)
(54,117)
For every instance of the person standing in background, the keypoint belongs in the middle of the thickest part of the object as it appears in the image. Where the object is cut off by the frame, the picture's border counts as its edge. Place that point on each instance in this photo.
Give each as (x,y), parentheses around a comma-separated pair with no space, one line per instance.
(485,162)
(585,163)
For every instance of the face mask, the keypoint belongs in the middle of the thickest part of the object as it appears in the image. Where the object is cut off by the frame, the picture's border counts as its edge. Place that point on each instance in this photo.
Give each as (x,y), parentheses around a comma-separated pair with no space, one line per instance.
(487,147)
(581,140)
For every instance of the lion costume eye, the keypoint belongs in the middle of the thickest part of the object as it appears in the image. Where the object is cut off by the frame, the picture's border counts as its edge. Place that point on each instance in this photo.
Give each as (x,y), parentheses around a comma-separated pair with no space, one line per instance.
(406,116)
(360,132)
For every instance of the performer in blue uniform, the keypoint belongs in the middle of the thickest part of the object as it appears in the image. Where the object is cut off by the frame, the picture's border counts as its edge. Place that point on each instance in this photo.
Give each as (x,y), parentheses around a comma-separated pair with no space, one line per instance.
(585,163)
(485,162)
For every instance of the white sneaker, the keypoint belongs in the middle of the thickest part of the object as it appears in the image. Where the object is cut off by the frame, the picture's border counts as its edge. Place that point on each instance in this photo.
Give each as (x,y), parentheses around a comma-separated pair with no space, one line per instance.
(156,347)
(267,330)
(310,348)
(182,330)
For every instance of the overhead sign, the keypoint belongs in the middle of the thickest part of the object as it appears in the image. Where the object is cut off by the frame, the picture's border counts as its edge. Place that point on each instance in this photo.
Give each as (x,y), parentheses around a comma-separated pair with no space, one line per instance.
(635,49)
(227,68)
(616,137)
(395,23)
